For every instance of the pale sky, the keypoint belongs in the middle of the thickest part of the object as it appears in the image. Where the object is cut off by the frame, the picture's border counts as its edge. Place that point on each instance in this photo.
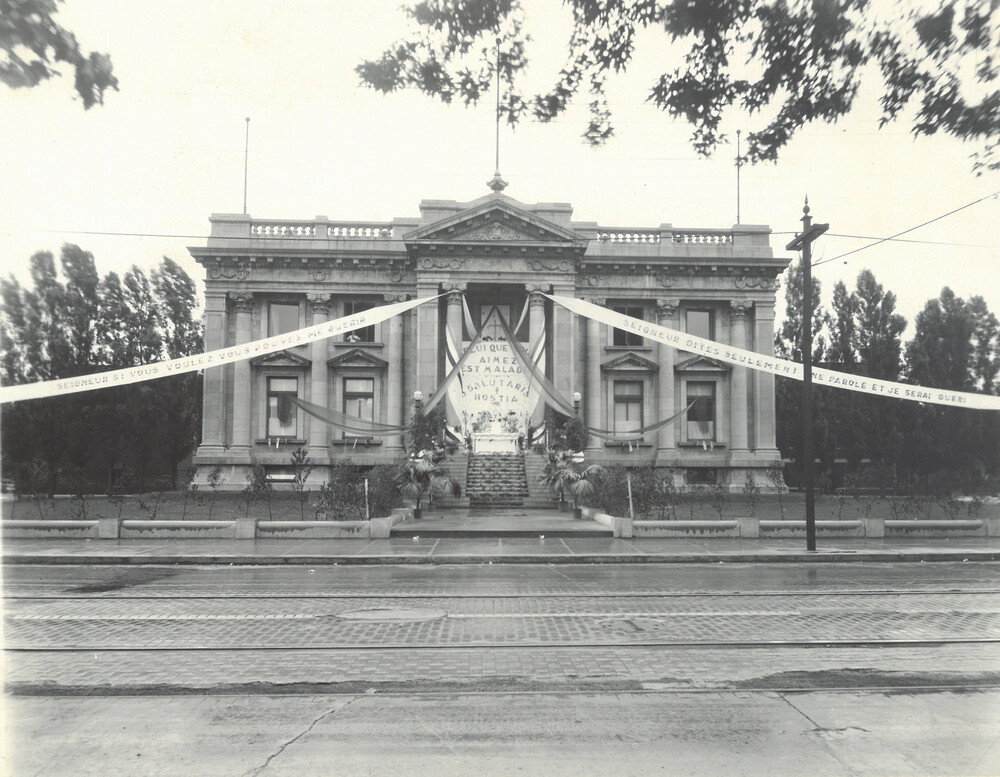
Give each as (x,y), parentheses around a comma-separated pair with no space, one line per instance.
(167,150)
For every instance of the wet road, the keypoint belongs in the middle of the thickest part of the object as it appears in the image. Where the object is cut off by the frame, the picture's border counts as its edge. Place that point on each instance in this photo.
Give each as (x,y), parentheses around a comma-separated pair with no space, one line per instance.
(784,653)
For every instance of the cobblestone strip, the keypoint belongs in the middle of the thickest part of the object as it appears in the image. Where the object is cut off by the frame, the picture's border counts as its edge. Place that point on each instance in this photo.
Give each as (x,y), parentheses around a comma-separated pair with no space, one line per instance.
(500,630)
(691,668)
(665,605)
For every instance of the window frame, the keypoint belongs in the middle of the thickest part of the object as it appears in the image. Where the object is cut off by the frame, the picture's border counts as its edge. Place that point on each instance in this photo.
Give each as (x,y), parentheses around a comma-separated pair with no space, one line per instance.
(711,322)
(714,437)
(346,396)
(365,334)
(268,324)
(268,393)
(624,338)
(628,401)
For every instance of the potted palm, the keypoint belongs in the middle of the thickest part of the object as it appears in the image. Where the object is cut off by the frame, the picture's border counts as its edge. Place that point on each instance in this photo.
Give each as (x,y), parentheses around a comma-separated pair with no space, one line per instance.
(563,476)
(422,475)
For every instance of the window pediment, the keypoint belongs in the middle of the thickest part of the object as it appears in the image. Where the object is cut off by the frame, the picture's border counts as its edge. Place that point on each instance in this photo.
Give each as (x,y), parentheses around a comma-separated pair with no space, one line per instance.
(701,364)
(280,359)
(357,357)
(630,362)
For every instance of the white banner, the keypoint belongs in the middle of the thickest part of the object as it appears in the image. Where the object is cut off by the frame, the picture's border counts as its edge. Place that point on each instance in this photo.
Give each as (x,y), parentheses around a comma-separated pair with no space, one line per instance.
(772,364)
(60,387)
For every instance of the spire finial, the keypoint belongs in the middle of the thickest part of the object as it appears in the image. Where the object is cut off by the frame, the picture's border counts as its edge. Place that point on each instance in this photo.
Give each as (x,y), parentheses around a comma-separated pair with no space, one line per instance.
(805,208)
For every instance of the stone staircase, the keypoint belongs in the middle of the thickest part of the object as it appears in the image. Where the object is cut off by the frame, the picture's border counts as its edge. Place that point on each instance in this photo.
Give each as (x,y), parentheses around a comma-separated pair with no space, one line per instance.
(496,480)
(539,494)
(455,465)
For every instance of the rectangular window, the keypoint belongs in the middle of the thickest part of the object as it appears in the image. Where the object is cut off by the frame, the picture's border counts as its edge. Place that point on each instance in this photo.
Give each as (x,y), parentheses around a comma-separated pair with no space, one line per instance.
(365,334)
(281,318)
(701,415)
(628,405)
(359,401)
(625,337)
(701,323)
(282,415)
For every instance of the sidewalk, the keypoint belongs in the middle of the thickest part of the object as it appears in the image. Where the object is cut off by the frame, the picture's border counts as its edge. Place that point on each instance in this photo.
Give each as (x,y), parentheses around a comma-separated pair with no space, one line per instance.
(464,550)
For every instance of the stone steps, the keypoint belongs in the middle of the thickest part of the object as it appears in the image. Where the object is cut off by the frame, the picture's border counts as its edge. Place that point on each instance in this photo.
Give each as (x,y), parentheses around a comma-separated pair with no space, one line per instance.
(496,480)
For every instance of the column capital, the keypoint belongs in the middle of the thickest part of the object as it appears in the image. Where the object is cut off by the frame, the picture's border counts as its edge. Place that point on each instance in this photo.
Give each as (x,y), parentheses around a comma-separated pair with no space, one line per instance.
(538,288)
(455,286)
(602,301)
(319,302)
(243,301)
(738,308)
(391,299)
(535,299)
(666,309)
(454,296)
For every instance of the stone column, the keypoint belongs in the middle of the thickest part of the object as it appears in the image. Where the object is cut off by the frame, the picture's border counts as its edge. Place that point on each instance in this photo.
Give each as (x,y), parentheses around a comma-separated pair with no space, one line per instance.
(563,348)
(319,379)
(666,442)
(242,374)
(454,317)
(592,390)
(765,439)
(536,329)
(394,376)
(738,385)
(426,346)
(213,411)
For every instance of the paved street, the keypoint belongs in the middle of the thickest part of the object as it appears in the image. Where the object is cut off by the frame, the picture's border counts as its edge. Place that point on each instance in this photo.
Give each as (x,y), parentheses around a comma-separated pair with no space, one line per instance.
(547,668)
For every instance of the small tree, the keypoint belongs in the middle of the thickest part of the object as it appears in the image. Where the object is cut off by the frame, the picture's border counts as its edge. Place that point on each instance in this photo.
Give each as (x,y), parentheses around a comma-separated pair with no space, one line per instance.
(302,468)
(776,480)
(751,493)
(257,489)
(422,475)
(214,481)
(719,498)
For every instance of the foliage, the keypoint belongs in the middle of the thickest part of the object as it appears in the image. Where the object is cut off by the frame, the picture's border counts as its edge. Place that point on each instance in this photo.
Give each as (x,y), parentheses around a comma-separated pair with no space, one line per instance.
(807,62)
(70,322)
(257,489)
(421,475)
(34,44)
(751,493)
(301,467)
(342,497)
(776,480)
(719,498)
(565,478)
(568,433)
(427,429)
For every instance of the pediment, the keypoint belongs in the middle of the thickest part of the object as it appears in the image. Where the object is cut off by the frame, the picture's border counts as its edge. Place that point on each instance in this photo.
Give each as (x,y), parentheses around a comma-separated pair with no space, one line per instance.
(701,364)
(280,359)
(491,222)
(630,362)
(357,357)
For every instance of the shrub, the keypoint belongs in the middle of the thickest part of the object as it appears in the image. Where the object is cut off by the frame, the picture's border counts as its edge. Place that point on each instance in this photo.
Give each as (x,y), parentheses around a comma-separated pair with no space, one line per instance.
(751,493)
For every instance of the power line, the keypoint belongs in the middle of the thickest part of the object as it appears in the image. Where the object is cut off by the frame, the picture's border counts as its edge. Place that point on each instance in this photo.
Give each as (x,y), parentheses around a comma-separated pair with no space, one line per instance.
(922,242)
(905,231)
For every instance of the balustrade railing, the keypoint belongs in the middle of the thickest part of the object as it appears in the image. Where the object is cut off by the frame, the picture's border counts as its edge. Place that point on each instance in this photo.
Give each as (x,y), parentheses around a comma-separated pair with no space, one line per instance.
(715,236)
(322,230)
(620,235)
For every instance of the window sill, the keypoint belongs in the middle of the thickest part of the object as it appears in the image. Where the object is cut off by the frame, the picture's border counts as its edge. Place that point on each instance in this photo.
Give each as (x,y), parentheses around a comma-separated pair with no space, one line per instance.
(345,344)
(269,441)
(627,446)
(708,444)
(367,442)
(617,348)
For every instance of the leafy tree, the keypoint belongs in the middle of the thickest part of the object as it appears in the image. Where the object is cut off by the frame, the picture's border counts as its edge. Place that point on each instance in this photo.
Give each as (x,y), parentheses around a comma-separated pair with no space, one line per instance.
(807,61)
(951,349)
(34,44)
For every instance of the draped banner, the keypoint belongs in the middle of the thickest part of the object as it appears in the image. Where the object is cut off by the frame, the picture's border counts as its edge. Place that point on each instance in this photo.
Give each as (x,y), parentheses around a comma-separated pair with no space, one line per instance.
(776,366)
(51,388)
(358,426)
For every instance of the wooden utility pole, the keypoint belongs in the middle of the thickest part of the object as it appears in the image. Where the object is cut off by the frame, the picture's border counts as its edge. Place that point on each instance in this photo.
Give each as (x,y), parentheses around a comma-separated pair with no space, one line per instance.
(803,242)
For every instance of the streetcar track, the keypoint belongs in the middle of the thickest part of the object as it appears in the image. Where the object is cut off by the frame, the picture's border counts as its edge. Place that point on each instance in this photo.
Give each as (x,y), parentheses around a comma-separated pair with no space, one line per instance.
(570,595)
(384,646)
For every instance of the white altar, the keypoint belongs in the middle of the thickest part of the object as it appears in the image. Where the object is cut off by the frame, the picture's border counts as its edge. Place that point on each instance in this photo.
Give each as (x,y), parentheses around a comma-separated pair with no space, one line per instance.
(494,442)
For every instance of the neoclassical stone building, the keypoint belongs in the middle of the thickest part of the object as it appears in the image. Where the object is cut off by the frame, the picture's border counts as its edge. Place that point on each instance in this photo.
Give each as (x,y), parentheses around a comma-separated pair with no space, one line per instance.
(265,277)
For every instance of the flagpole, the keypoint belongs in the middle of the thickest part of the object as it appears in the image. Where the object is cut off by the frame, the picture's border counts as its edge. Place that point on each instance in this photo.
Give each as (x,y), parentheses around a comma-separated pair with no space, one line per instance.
(246,155)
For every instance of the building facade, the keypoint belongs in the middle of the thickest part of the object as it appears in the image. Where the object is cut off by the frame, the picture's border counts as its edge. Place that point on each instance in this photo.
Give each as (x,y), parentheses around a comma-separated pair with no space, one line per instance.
(491,256)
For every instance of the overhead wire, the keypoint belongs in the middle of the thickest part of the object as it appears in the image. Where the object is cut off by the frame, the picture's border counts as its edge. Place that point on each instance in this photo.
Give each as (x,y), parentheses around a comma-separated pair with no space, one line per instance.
(905,231)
